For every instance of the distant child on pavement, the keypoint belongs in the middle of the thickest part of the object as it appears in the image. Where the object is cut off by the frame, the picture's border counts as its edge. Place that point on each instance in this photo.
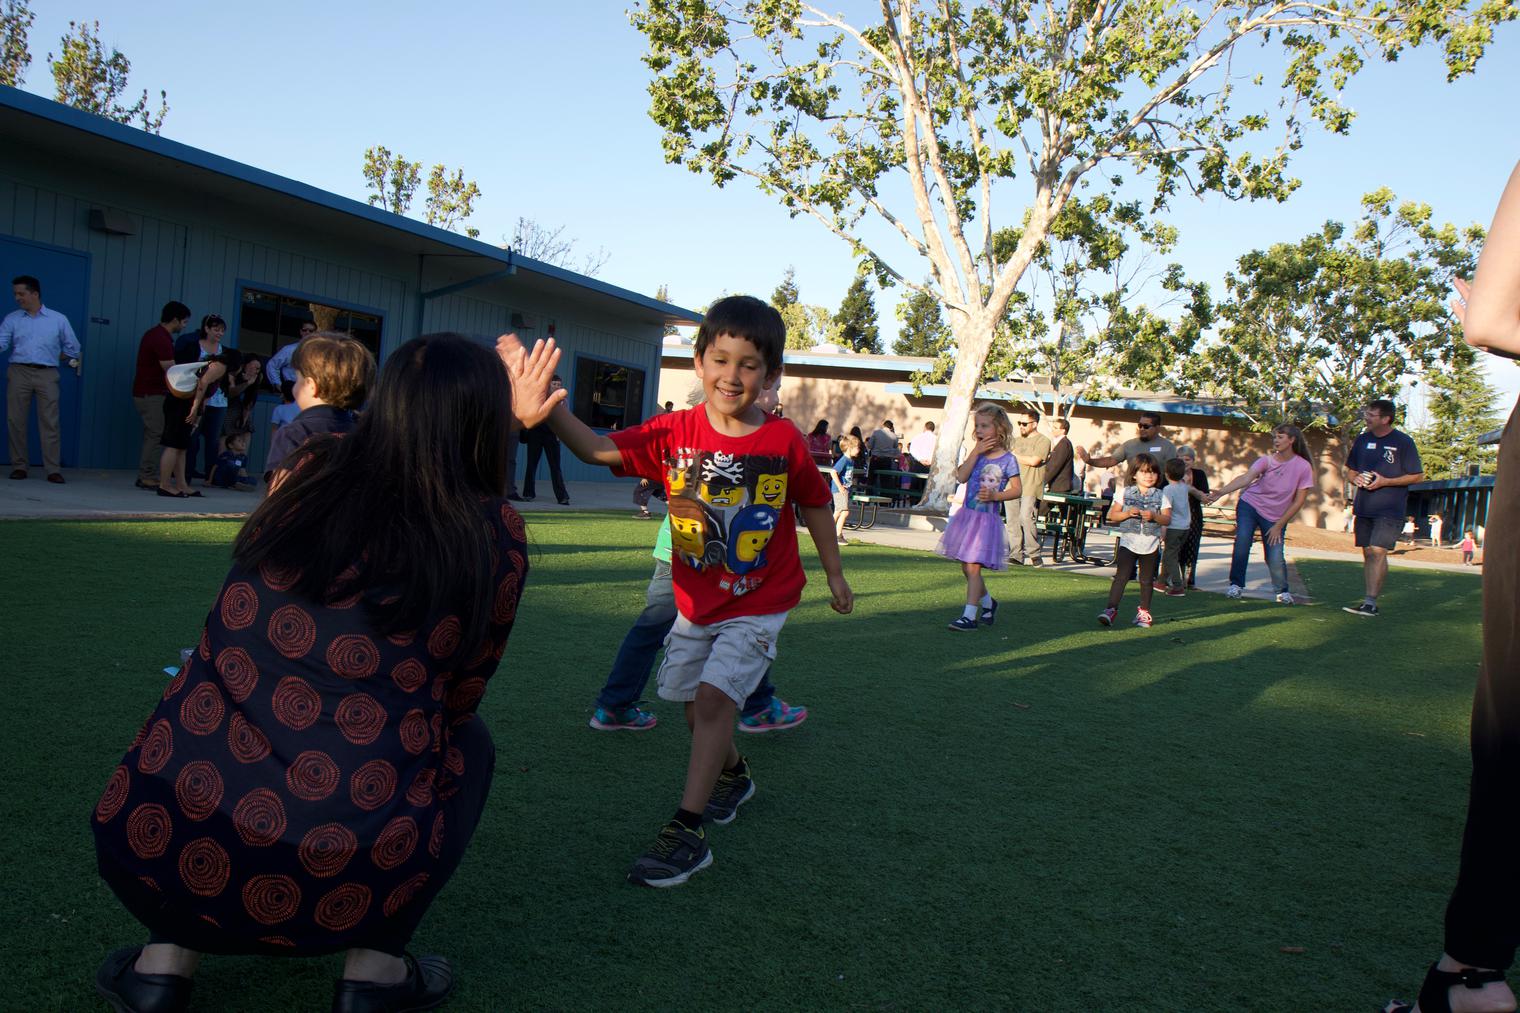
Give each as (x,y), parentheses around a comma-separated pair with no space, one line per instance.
(1141,514)
(976,535)
(732,474)
(1468,547)
(1178,494)
(850,449)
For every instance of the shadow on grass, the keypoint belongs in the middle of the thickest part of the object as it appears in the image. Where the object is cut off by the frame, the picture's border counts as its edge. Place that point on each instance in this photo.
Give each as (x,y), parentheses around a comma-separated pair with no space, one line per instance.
(1043,815)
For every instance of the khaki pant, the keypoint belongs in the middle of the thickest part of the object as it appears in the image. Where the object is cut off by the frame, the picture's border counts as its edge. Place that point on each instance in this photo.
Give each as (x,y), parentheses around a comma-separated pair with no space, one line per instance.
(151,410)
(1023,528)
(22,384)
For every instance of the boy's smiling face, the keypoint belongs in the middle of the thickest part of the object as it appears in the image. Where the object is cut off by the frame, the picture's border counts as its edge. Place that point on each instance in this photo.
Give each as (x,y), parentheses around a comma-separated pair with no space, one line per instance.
(733,372)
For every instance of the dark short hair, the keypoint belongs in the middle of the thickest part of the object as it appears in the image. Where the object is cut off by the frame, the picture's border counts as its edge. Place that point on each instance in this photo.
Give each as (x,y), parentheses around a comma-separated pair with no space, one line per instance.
(1063,424)
(744,316)
(211,320)
(1176,469)
(31,283)
(342,369)
(173,311)
(929,426)
(1155,419)
(1033,413)
(1382,406)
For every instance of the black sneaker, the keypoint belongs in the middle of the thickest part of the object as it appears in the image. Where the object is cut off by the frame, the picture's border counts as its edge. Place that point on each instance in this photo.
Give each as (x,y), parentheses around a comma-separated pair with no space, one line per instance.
(674,856)
(731,791)
(989,614)
(1361,609)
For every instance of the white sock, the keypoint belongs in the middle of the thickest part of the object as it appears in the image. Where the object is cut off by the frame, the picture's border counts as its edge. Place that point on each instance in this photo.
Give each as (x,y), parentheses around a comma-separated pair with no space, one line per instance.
(969,612)
(986,601)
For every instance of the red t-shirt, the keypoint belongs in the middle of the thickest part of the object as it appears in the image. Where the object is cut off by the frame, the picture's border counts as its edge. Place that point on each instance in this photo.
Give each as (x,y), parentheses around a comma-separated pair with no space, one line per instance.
(733,539)
(157,346)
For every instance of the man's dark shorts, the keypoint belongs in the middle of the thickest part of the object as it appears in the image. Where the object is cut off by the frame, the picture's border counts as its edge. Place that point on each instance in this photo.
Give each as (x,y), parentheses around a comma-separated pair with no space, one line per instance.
(1381,532)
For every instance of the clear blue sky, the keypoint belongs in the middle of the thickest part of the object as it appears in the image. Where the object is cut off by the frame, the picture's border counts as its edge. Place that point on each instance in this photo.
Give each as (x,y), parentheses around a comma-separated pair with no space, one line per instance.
(545,106)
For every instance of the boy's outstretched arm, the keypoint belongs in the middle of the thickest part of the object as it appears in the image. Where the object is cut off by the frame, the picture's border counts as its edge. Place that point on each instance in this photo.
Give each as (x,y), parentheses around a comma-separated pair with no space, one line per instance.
(533,402)
(820,524)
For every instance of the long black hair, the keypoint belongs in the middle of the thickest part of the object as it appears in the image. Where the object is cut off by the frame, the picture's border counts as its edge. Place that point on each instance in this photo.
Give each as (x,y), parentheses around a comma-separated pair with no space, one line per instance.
(400,506)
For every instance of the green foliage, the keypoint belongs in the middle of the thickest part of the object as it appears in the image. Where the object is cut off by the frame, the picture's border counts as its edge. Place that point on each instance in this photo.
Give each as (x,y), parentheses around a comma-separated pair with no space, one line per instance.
(786,292)
(856,319)
(450,199)
(1311,331)
(921,329)
(395,180)
(1072,326)
(1460,407)
(808,326)
(86,78)
(662,294)
(942,122)
(16,19)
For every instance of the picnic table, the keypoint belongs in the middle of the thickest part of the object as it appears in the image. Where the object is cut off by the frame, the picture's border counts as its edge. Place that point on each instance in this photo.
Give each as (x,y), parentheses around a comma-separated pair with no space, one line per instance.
(1070,518)
(888,482)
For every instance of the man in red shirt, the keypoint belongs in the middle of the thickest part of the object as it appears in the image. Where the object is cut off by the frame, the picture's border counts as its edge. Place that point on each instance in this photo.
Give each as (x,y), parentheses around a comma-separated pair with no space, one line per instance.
(155,354)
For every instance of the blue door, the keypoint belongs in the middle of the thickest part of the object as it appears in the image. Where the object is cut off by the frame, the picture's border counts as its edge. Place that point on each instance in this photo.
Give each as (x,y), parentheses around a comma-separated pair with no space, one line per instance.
(65,278)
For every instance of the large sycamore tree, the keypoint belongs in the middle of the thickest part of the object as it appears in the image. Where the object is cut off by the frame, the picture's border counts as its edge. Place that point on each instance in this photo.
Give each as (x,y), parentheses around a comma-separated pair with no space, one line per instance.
(941,130)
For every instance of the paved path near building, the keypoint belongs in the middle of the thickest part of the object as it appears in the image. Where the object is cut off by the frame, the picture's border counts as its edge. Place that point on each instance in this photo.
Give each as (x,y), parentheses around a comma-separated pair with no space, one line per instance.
(110,495)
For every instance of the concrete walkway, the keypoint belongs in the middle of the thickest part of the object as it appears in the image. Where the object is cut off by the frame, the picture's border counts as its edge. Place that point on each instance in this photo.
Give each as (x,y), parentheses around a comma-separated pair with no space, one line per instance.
(110,495)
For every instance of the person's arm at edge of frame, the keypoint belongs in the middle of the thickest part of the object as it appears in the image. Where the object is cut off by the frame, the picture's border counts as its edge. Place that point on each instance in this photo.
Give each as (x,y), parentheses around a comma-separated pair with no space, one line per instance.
(1489,308)
(820,524)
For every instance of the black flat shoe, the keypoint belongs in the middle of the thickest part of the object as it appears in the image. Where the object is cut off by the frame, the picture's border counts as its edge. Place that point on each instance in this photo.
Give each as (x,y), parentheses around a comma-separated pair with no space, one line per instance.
(129,991)
(191,495)
(428,982)
(172,495)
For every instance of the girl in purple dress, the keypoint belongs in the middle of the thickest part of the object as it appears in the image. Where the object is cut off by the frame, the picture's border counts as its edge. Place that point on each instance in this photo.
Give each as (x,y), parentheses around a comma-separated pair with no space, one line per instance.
(975,535)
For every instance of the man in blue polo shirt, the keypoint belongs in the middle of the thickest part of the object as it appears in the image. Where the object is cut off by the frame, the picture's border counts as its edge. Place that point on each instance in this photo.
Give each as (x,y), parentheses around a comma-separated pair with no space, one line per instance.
(38,339)
(1382,465)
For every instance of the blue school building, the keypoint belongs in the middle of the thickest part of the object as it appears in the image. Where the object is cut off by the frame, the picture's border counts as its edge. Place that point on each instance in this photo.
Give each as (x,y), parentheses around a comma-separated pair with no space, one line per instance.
(115,222)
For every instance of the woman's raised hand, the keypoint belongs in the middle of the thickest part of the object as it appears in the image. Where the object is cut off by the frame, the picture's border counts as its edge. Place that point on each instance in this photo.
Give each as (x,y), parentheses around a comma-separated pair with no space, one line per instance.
(531,373)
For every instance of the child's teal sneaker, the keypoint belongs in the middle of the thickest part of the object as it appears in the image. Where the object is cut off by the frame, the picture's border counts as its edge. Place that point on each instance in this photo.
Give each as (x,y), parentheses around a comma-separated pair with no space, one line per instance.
(778,716)
(623,719)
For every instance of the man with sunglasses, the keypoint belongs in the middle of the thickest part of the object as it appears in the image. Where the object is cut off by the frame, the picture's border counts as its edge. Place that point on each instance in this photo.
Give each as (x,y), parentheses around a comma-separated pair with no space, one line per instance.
(1031,447)
(1148,440)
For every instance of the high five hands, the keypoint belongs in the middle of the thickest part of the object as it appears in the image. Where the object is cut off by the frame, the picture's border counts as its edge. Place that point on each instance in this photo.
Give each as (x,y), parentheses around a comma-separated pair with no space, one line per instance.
(531,373)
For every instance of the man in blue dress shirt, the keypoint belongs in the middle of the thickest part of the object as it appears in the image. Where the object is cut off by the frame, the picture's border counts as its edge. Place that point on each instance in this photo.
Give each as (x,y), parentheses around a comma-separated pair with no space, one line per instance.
(38,339)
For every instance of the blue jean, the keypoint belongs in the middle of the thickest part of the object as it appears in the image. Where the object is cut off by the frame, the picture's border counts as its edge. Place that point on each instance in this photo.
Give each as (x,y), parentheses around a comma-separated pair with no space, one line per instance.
(206,434)
(635,657)
(1248,520)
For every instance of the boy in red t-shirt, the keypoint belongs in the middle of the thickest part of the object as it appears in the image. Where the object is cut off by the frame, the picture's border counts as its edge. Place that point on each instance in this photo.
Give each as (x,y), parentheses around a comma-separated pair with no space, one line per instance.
(732,473)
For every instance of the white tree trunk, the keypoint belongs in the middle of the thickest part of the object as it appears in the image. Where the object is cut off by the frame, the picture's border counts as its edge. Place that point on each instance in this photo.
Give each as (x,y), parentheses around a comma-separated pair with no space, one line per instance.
(973,339)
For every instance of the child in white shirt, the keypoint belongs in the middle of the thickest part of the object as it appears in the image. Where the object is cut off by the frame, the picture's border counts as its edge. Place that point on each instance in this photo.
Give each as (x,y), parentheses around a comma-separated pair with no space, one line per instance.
(1176,495)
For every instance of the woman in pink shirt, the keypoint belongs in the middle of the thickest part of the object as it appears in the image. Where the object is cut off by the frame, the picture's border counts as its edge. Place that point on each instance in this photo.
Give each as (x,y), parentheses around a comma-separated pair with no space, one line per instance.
(1275,489)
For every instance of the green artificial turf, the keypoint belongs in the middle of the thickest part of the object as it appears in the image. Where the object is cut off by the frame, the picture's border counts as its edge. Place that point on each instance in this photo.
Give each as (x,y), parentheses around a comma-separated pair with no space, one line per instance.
(1043,815)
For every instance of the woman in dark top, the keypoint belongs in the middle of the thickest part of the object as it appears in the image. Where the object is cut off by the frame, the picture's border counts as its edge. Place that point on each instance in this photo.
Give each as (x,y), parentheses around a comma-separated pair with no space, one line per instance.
(311,778)
(1195,525)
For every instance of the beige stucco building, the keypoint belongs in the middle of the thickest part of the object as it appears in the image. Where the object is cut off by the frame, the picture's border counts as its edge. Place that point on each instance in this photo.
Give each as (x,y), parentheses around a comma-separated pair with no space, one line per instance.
(863,390)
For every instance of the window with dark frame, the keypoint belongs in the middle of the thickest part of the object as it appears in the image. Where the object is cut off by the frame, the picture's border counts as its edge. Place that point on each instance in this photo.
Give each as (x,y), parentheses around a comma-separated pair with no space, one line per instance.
(268,322)
(608,395)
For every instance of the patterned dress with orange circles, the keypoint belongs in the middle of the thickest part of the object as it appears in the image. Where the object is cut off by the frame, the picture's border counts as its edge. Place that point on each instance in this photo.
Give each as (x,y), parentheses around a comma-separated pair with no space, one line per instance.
(294,790)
